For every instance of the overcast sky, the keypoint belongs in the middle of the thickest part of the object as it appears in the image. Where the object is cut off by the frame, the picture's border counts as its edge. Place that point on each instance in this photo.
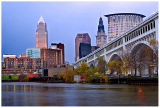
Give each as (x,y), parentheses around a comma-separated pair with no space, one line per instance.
(64,20)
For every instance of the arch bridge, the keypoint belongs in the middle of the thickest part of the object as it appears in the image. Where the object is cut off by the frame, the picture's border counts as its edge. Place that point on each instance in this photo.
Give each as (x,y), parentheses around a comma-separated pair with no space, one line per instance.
(134,41)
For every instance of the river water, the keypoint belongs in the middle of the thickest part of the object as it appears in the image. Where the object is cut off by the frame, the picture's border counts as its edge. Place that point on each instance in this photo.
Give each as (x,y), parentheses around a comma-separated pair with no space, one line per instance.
(61,94)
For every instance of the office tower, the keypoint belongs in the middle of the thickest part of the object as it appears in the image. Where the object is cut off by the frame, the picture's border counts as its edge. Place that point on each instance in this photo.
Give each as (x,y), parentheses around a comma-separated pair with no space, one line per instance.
(101,37)
(81,38)
(84,49)
(119,23)
(33,52)
(41,34)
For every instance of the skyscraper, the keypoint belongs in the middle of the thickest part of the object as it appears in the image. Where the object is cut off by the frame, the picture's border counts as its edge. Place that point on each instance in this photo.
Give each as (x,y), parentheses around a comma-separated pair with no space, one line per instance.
(84,49)
(119,23)
(41,34)
(101,37)
(81,38)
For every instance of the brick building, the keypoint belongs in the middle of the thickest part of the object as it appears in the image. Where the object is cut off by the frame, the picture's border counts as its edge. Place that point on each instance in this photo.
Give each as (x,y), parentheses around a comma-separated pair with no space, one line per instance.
(53,56)
(21,65)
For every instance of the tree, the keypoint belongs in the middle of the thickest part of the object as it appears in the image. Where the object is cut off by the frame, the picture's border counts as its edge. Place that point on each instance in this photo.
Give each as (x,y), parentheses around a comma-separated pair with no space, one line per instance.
(68,75)
(83,69)
(102,65)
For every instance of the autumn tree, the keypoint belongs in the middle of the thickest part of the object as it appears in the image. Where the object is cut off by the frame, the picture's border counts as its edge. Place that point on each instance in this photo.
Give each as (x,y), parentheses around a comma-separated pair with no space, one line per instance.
(68,75)
(102,65)
(83,68)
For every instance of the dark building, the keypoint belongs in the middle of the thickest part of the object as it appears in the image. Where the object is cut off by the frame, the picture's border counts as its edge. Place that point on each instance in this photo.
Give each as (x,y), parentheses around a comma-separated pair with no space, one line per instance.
(93,48)
(84,49)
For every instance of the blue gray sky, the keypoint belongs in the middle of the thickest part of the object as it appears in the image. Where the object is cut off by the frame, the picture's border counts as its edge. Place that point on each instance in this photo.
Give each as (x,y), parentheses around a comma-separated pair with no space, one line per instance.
(64,20)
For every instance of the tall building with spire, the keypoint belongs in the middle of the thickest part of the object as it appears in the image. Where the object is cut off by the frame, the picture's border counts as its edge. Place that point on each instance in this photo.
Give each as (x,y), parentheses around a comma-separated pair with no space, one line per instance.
(101,37)
(41,34)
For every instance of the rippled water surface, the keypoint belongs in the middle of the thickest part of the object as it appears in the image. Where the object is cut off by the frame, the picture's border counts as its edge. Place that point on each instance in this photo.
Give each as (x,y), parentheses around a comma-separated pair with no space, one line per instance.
(60,94)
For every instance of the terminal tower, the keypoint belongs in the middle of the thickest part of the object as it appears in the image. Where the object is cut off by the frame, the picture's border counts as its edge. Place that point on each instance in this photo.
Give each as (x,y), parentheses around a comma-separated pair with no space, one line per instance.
(101,37)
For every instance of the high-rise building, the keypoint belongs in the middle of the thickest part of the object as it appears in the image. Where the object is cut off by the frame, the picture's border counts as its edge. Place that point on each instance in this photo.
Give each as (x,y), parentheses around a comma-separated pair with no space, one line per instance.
(41,34)
(81,38)
(101,37)
(84,49)
(33,52)
(119,23)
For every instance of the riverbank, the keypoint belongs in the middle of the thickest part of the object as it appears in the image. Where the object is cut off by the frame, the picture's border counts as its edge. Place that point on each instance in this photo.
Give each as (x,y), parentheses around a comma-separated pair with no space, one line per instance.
(130,81)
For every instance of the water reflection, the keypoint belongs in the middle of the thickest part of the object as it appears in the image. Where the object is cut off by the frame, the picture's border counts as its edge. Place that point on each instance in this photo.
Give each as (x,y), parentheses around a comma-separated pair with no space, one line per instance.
(44,94)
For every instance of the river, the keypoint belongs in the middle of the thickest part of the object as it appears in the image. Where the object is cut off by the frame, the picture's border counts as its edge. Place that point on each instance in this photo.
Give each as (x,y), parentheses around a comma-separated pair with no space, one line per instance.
(62,94)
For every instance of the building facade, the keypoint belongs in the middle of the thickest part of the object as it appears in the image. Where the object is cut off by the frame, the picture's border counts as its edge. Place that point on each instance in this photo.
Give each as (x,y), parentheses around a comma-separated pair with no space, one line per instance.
(41,34)
(81,38)
(33,52)
(101,37)
(93,48)
(53,56)
(9,55)
(84,49)
(119,23)
(21,65)
(22,56)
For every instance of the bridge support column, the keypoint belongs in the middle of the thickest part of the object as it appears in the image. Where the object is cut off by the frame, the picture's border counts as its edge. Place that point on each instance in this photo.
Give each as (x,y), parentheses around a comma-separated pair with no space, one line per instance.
(124,47)
(156,27)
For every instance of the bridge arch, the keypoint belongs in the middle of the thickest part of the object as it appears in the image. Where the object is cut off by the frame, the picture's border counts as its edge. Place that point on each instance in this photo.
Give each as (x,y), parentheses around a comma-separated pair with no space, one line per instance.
(114,55)
(140,42)
(143,53)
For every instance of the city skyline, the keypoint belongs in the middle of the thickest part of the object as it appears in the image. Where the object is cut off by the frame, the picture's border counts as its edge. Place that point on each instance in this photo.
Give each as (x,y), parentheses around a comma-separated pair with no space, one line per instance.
(61,27)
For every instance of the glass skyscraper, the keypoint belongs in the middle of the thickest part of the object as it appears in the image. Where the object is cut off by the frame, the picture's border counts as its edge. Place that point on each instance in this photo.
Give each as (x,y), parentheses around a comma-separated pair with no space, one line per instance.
(33,52)
(41,34)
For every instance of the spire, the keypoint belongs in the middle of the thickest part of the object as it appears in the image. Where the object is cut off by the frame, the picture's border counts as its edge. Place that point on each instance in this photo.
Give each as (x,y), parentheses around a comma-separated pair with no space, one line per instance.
(41,20)
(101,26)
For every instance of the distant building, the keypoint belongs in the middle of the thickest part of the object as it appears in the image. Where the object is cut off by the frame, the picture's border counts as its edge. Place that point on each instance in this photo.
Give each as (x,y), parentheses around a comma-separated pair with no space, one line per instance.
(41,34)
(101,37)
(22,56)
(56,70)
(20,65)
(33,52)
(59,46)
(9,56)
(53,55)
(81,38)
(93,48)
(84,49)
(119,23)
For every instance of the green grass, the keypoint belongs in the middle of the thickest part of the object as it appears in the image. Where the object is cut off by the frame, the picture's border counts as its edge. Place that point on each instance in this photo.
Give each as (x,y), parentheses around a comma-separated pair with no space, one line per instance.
(9,77)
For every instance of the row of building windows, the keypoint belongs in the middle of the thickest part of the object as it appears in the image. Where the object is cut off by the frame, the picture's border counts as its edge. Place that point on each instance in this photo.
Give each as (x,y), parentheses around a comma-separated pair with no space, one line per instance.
(124,17)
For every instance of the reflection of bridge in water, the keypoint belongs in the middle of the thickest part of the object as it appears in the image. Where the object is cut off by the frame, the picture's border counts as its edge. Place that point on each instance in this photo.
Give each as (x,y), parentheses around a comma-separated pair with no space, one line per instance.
(135,41)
